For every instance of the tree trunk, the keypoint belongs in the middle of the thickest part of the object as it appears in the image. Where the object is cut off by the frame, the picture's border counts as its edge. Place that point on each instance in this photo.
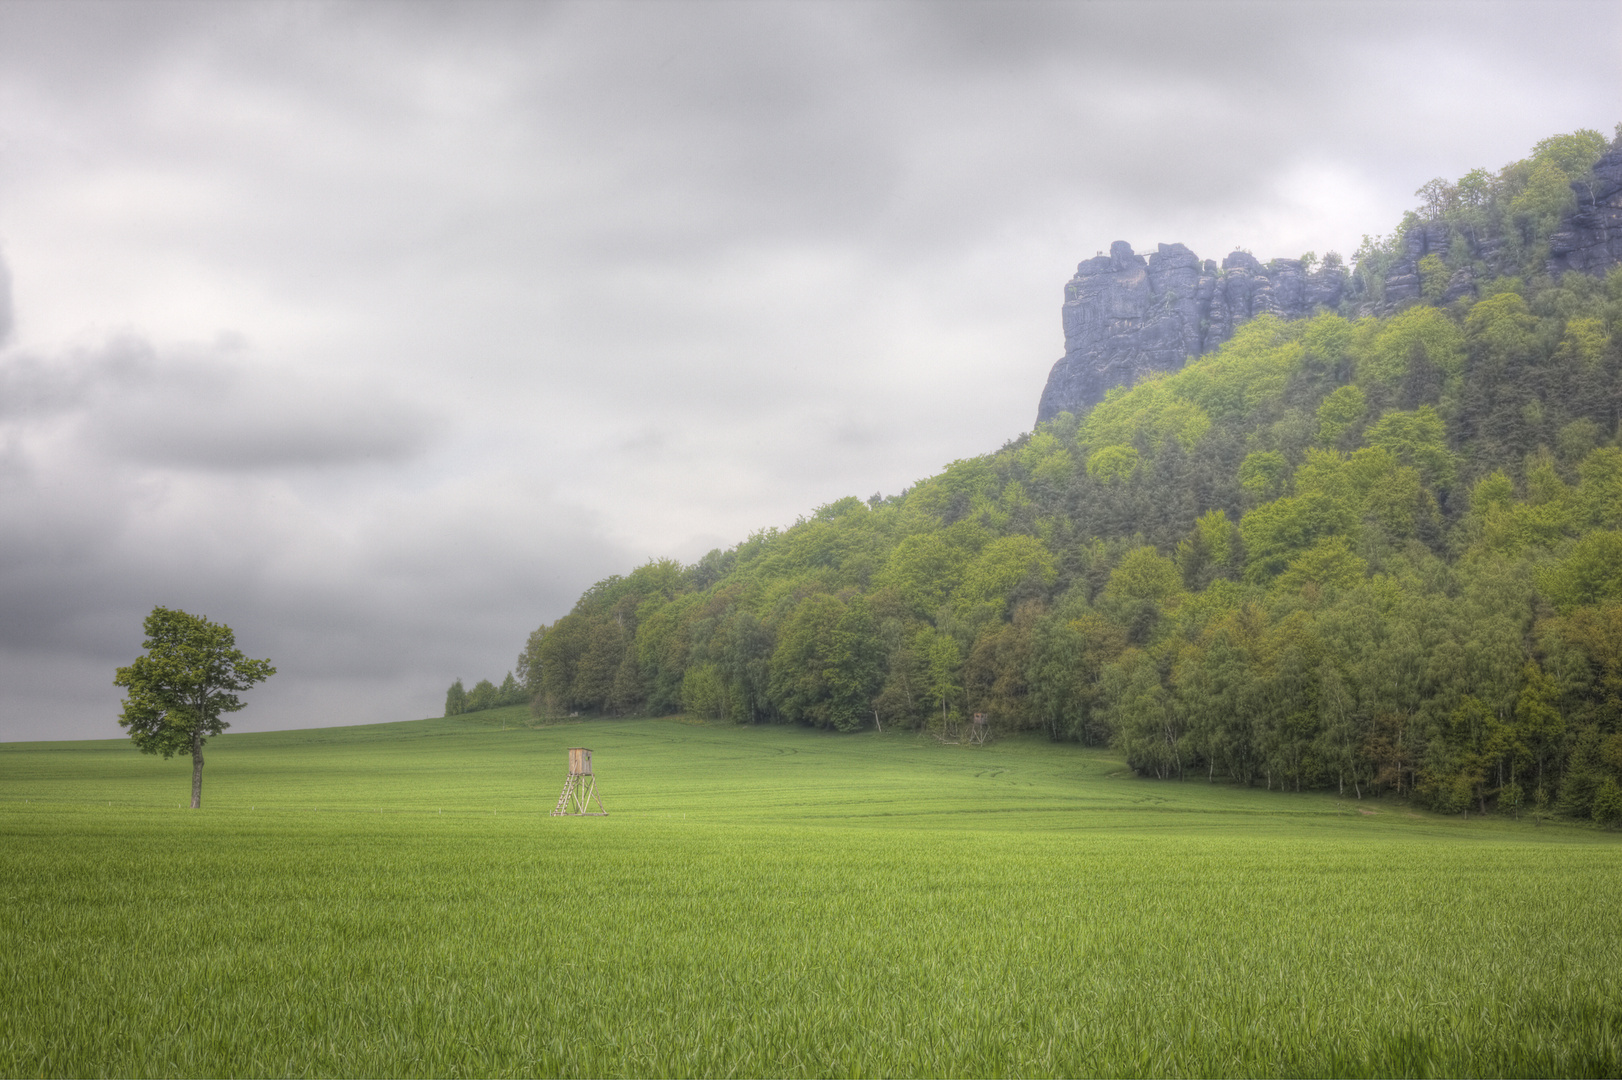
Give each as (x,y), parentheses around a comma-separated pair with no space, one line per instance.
(196,770)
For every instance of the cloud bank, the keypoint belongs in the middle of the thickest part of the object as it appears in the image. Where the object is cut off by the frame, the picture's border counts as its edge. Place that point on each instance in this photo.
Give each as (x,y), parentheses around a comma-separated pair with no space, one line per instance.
(379,332)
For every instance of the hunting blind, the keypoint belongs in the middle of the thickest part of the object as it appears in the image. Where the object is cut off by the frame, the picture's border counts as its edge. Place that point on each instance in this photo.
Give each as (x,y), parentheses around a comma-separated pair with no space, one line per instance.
(954,733)
(579,788)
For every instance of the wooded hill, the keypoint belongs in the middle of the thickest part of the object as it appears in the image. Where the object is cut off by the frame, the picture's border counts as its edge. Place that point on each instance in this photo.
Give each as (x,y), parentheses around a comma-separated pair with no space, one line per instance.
(1379,553)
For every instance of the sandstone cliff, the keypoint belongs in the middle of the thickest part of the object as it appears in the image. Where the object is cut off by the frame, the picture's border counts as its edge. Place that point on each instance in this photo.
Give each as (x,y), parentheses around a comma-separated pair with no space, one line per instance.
(1590,241)
(1126,316)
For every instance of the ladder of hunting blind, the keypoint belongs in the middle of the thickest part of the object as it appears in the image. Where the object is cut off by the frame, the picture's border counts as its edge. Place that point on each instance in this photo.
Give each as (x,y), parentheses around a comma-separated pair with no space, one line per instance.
(563,800)
(579,792)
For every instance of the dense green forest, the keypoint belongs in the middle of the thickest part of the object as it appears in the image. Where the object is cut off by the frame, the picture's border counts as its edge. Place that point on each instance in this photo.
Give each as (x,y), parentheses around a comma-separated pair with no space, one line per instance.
(1375,550)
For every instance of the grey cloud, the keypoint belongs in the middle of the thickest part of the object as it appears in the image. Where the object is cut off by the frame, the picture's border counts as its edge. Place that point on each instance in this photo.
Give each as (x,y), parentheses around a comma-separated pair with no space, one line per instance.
(209,410)
(538,291)
(378,603)
(277,427)
(710,127)
(33,388)
(5,306)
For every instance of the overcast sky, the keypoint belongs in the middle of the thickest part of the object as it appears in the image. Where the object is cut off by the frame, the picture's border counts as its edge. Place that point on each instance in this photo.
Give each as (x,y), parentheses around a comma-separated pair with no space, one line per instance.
(380,332)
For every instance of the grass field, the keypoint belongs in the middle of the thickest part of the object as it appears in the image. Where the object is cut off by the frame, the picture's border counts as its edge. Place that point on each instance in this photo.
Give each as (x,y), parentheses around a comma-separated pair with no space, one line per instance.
(396,900)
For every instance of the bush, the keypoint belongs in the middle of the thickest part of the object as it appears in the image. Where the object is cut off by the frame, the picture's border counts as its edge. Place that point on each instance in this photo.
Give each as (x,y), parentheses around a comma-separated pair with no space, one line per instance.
(1608,802)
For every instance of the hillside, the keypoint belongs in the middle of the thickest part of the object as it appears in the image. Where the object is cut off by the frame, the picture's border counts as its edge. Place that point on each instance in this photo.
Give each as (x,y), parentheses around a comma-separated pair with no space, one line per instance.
(1377,549)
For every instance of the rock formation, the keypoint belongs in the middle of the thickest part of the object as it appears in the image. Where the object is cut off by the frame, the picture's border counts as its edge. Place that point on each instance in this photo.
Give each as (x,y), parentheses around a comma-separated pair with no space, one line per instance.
(1590,239)
(1126,316)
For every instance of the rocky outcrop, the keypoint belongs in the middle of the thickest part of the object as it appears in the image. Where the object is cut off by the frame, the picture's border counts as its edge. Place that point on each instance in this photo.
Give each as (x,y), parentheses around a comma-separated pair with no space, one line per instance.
(1126,316)
(1402,281)
(1590,239)
(1405,285)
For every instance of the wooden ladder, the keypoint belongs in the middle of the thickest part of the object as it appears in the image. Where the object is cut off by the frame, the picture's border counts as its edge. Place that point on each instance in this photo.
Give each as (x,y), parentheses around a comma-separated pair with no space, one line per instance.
(563,800)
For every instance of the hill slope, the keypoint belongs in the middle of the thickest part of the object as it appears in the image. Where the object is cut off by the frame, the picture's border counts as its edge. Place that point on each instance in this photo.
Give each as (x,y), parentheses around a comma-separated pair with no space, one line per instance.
(1378,553)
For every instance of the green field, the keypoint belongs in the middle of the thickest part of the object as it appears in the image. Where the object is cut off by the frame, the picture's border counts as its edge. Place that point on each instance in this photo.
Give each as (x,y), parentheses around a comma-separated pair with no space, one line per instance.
(397,900)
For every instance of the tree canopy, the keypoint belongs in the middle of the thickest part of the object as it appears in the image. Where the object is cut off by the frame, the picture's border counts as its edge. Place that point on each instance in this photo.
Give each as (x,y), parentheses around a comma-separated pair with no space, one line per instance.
(181,689)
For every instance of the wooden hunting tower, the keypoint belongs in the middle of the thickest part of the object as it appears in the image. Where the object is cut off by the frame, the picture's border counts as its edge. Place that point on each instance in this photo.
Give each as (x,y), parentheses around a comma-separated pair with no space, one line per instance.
(579,788)
(978,729)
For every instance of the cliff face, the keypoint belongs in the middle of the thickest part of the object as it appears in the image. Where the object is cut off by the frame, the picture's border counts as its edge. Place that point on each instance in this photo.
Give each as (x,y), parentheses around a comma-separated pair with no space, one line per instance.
(1590,240)
(1126,316)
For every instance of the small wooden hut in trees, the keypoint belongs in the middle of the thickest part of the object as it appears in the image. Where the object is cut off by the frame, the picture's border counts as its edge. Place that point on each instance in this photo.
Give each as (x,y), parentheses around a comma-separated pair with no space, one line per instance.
(579,788)
(978,728)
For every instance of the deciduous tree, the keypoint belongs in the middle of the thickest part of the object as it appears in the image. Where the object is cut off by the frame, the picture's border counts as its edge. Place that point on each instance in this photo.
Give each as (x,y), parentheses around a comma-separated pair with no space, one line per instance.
(190,675)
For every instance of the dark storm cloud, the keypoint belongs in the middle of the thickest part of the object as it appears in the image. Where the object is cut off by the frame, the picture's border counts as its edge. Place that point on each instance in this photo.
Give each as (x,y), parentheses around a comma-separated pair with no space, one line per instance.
(497,299)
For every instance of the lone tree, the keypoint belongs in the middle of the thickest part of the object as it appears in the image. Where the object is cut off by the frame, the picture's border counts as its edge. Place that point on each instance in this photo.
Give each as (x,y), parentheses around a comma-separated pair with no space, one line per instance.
(189,676)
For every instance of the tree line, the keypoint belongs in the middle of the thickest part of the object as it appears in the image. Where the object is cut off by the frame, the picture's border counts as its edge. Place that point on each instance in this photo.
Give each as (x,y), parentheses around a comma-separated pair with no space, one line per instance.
(1381,555)
(1495,223)
(484,695)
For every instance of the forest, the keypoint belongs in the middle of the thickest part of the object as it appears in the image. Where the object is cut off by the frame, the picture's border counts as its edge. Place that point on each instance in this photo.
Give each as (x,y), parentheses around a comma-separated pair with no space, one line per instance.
(1378,550)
